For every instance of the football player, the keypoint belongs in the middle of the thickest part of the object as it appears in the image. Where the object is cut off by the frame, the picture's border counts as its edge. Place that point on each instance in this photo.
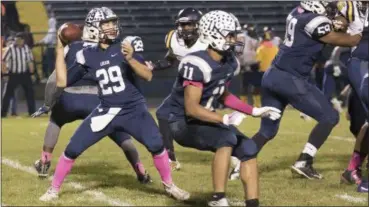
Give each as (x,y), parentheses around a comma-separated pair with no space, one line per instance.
(76,102)
(337,66)
(122,107)
(356,12)
(179,42)
(200,86)
(308,28)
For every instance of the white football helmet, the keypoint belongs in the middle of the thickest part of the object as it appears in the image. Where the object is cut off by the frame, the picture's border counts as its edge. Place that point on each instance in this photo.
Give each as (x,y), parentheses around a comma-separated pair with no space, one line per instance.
(92,30)
(215,26)
(318,7)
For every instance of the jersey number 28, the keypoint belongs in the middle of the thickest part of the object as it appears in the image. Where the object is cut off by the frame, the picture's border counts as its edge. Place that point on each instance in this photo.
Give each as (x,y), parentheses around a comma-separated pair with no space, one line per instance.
(111,75)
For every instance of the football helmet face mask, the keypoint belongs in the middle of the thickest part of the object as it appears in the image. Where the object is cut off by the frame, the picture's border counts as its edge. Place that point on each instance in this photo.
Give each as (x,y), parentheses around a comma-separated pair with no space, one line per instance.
(221,31)
(187,23)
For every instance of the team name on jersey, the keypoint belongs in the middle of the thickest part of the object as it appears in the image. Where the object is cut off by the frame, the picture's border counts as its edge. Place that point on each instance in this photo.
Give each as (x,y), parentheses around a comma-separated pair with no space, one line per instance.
(106,62)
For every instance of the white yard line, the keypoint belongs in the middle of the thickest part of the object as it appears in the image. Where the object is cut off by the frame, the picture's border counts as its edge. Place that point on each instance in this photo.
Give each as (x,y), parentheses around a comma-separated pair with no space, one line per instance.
(96,195)
(353,199)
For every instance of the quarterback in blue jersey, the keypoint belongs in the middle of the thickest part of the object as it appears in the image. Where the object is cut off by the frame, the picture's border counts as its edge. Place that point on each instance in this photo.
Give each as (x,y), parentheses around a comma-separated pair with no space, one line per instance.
(308,28)
(76,102)
(200,86)
(122,107)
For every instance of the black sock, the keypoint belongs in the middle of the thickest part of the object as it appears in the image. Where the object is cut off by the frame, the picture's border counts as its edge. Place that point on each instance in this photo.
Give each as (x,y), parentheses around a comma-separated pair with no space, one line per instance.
(218,196)
(306,157)
(131,153)
(320,133)
(252,203)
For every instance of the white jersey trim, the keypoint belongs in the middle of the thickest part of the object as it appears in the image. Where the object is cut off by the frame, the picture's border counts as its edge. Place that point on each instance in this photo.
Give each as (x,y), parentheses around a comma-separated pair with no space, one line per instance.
(314,23)
(80,57)
(200,63)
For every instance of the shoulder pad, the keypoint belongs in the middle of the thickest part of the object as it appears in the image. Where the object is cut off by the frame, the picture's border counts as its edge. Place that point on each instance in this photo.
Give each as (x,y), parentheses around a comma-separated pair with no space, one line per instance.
(136,43)
(168,39)
(201,70)
(318,23)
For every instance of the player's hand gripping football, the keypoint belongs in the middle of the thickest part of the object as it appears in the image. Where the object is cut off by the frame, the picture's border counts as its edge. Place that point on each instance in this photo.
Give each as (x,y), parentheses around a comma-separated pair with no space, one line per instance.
(59,43)
(42,110)
(127,50)
(234,118)
(267,112)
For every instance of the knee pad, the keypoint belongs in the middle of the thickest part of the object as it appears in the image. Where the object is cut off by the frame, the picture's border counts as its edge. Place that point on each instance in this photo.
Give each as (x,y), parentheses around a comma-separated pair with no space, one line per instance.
(155,145)
(71,153)
(228,141)
(157,152)
(245,150)
(332,117)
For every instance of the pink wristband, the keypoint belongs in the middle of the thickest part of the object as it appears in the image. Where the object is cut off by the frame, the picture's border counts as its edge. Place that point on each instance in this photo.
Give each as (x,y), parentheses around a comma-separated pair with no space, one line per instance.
(235,103)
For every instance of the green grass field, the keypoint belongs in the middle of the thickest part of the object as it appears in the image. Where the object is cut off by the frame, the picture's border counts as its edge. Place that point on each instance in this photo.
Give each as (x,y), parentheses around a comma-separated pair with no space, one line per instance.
(103,176)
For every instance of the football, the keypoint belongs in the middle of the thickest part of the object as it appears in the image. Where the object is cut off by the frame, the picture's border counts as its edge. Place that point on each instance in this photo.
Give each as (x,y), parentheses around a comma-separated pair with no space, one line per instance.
(70,32)
(340,24)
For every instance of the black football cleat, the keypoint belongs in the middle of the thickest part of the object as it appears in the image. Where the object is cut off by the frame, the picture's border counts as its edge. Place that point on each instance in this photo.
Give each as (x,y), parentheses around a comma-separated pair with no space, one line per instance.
(42,168)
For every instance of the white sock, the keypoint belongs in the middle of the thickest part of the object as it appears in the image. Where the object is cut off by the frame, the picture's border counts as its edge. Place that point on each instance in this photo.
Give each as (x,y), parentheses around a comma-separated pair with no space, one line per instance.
(310,149)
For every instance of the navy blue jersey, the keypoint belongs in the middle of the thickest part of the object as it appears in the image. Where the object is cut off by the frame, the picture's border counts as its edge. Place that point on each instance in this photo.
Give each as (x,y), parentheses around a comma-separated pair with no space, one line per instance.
(112,73)
(301,47)
(70,51)
(199,67)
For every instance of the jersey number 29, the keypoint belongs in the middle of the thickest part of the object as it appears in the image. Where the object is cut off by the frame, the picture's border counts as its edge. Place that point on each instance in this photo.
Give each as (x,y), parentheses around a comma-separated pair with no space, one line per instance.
(111,75)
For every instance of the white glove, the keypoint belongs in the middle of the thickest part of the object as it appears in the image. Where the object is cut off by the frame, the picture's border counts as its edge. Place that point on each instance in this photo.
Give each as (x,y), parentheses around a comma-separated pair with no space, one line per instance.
(267,112)
(234,118)
(336,71)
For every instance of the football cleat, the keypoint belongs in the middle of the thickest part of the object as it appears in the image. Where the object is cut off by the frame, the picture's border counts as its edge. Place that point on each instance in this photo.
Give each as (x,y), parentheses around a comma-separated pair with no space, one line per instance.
(42,168)
(176,192)
(220,202)
(351,177)
(51,194)
(363,187)
(144,179)
(174,165)
(306,171)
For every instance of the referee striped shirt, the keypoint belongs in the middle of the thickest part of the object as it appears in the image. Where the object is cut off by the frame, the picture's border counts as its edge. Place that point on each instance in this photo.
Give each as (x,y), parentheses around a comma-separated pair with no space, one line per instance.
(17,59)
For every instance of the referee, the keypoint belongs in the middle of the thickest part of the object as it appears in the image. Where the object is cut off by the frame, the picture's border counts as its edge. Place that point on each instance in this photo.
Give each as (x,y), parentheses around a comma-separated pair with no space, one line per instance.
(18,62)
